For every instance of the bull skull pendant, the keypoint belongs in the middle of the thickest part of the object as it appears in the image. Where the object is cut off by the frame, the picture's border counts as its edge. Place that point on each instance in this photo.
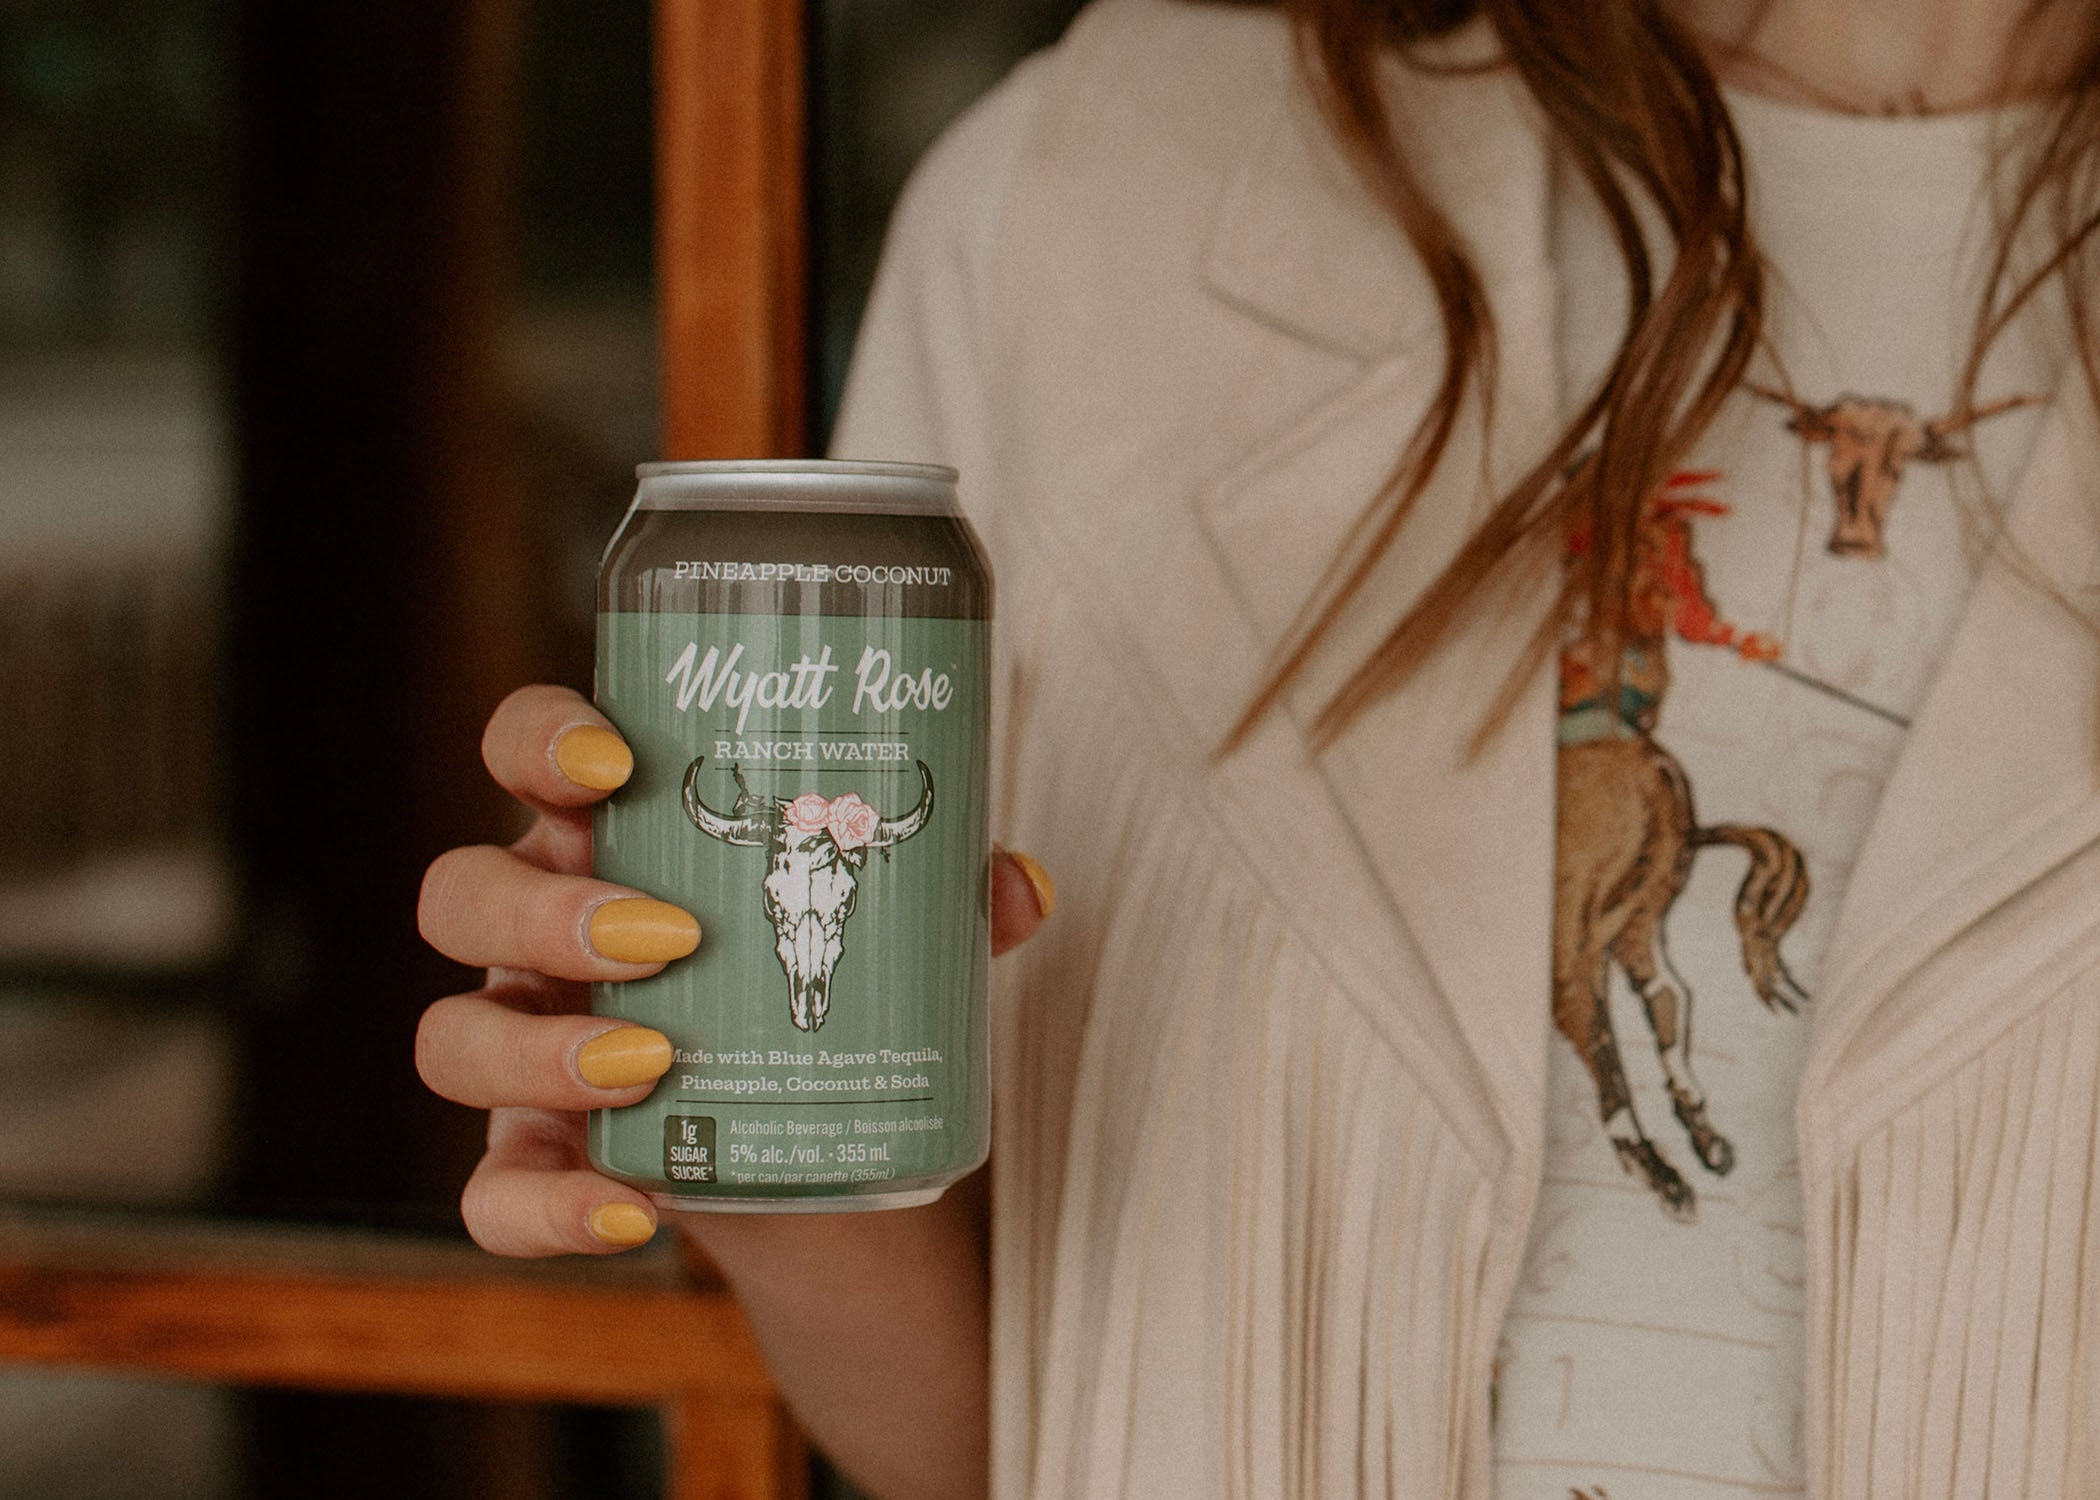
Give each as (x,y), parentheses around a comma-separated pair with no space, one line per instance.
(817,847)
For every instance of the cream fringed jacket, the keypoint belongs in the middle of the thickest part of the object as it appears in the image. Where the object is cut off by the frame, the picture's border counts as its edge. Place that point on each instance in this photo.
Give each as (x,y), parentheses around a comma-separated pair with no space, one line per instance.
(1270,1085)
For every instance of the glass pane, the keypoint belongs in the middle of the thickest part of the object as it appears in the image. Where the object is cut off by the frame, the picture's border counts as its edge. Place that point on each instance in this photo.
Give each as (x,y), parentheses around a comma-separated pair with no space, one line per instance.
(580,338)
(116,893)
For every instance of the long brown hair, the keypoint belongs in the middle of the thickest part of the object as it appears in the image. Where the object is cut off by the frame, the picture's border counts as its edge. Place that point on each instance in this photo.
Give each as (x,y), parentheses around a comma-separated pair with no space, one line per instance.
(1633,106)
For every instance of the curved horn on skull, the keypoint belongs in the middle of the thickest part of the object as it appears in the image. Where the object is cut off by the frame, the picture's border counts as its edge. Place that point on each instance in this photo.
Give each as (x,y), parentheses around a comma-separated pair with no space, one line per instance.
(753,829)
(1811,422)
(896,830)
(1941,431)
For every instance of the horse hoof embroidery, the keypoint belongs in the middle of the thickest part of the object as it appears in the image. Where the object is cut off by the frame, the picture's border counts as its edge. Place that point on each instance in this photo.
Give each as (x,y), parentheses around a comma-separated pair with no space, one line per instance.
(1672,1192)
(818,846)
(1708,1144)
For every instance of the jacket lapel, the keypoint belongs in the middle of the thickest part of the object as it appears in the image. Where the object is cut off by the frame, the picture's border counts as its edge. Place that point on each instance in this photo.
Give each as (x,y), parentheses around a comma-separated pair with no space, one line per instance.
(1998,787)
(1460,848)
(1290,357)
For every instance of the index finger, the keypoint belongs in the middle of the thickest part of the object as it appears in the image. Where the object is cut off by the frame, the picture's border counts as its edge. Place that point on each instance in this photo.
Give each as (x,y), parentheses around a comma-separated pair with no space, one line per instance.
(547,746)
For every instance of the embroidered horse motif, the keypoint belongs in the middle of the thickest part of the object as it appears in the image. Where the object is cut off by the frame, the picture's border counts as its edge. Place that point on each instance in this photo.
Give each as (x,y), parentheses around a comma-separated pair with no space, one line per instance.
(1626,841)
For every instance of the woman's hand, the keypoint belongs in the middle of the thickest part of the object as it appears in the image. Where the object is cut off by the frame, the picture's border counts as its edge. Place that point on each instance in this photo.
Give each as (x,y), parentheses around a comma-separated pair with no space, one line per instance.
(524,1046)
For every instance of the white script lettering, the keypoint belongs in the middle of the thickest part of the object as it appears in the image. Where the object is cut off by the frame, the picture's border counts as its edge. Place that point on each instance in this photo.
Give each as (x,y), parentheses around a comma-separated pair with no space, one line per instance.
(714,679)
(882,693)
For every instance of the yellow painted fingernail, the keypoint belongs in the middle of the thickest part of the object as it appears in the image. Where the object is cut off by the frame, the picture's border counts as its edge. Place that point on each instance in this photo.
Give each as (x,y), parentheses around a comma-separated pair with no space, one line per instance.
(593,757)
(622,1224)
(637,930)
(624,1057)
(1039,881)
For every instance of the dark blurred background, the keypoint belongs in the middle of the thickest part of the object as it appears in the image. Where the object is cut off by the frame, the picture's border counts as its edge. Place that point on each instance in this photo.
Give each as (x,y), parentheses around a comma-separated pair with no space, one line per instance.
(327,347)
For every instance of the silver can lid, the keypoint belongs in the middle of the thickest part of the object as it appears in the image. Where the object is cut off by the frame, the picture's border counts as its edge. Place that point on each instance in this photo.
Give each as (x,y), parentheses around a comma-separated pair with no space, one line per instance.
(800,484)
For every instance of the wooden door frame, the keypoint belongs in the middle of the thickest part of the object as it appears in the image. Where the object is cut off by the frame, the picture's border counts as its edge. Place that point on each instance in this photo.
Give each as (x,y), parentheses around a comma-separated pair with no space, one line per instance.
(732,240)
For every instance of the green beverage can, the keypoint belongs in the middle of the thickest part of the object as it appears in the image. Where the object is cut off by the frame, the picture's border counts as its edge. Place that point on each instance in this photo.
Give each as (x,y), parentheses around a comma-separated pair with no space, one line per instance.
(799,655)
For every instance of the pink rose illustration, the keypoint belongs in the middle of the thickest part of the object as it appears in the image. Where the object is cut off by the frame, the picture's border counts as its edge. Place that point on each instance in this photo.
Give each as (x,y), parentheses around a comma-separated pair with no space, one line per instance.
(852,821)
(809,813)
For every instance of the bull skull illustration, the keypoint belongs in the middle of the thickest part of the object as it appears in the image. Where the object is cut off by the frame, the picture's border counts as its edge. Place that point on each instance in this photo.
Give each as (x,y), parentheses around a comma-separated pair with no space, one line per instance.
(1870,441)
(818,846)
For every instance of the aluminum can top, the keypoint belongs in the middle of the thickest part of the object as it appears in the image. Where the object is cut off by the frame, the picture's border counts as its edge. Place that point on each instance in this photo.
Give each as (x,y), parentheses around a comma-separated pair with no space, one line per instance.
(798,484)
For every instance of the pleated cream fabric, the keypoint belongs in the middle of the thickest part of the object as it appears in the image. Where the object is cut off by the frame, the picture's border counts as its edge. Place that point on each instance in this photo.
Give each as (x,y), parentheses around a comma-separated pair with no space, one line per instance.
(1269,1086)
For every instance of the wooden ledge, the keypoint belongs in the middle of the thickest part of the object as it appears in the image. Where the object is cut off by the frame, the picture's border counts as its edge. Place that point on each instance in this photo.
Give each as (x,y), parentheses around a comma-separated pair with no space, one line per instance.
(362,1310)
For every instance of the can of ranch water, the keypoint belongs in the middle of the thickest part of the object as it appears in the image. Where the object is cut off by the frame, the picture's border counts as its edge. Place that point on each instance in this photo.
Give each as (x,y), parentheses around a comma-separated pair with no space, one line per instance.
(799,655)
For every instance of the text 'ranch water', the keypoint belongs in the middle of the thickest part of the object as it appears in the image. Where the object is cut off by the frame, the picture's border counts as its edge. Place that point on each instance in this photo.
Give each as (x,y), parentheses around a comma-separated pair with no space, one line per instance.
(799,656)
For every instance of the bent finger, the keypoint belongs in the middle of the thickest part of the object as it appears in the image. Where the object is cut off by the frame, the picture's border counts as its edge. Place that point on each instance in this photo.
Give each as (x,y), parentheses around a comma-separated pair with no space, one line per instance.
(530,1212)
(474,1050)
(487,907)
(548,746)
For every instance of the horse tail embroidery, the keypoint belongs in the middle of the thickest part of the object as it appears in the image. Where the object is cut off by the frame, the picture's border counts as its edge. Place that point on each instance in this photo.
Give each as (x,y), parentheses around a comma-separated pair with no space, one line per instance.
(1766,904)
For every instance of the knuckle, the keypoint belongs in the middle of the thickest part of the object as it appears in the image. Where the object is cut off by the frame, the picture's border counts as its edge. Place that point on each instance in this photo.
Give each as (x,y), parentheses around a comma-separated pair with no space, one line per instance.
(519,701)
(485,1057)
(504,724)
(434,897)
(432,1052)
(514,1213)
(446,896)
(479,1210)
